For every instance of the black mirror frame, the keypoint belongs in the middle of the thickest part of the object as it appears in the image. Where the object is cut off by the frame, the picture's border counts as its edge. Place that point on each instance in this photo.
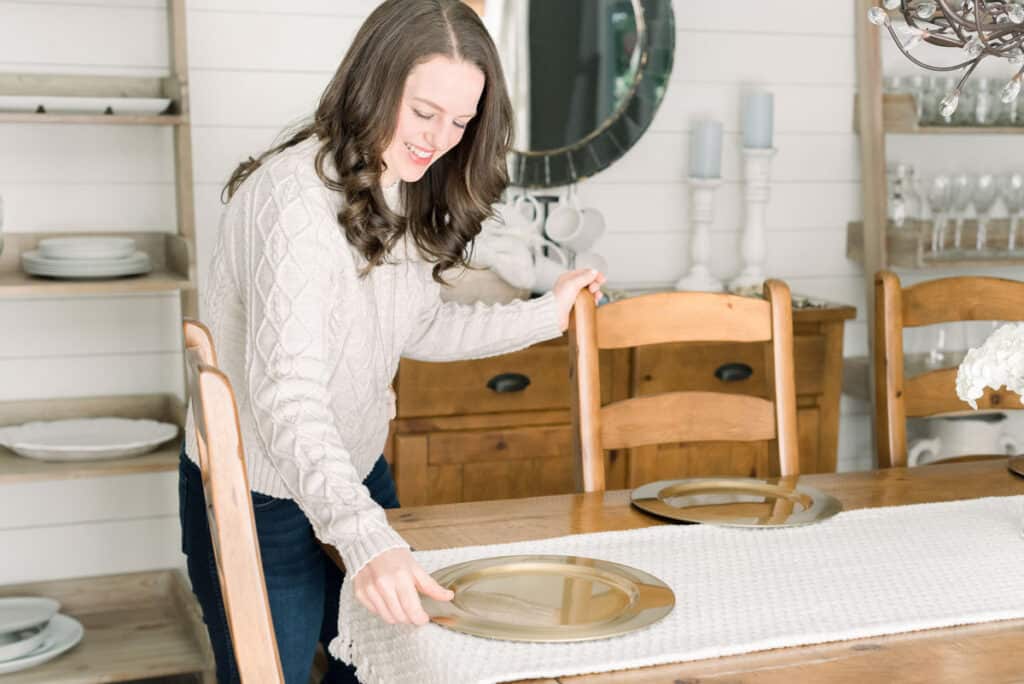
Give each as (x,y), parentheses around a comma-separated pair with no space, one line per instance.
(607,144)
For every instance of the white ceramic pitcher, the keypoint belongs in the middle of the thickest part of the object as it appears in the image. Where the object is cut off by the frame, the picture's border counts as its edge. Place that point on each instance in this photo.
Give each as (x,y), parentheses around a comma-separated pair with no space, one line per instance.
(961,436)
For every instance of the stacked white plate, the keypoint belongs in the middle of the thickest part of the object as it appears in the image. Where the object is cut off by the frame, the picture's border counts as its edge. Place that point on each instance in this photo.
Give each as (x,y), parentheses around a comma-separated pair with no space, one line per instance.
(60,104)
(86,439)
(33,632)
(86,257)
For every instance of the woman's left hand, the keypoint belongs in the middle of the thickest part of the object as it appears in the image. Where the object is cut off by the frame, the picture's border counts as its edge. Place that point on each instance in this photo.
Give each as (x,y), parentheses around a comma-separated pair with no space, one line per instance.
(569,285)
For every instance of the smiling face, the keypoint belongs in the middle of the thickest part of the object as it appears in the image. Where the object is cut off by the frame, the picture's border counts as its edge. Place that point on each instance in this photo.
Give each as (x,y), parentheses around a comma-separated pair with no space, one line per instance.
(439,99)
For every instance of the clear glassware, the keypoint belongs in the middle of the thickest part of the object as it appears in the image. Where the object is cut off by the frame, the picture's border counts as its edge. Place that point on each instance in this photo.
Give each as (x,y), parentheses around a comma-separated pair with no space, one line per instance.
(893,84)
(940,194)
(949,345)
(966,114)
(962,191)
(912,195)
(918,87)
(897,201)
(985,99)
(1011,186)
(986,192)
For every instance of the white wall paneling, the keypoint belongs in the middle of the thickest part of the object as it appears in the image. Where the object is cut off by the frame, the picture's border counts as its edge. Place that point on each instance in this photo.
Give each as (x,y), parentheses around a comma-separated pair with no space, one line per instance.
(88,549)
(73,37)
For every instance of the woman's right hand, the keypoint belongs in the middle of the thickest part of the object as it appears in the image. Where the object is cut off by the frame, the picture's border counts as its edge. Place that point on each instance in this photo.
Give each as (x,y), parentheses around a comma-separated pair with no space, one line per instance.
(390,585)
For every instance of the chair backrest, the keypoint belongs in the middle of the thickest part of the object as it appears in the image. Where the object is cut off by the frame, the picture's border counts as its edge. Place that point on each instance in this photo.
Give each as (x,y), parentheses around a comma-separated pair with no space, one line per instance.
(229,508)
(681,416)
(945,300)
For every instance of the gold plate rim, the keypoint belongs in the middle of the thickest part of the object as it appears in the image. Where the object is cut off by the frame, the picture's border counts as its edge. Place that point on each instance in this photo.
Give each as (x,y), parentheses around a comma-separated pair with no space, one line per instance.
(1016,465)
(823,505)
(650,598)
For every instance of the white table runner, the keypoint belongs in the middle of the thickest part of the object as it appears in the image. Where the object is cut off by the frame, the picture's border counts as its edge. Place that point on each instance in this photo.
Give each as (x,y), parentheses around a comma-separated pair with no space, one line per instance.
(860,574)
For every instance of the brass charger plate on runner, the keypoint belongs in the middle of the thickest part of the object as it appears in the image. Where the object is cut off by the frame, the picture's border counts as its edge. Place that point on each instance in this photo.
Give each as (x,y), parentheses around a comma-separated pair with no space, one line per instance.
(1016,465)
(548,598)
(736,502)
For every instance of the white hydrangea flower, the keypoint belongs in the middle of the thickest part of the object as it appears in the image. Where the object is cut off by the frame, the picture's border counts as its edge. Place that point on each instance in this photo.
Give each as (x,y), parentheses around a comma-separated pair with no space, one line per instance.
(997,363)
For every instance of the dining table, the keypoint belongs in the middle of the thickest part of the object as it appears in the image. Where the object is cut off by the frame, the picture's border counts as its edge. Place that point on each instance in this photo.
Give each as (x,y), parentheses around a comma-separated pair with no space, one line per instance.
(988,652)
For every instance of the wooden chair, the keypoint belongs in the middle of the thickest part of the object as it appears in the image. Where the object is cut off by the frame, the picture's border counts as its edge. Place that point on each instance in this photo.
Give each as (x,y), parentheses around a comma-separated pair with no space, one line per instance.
(229,506)
(944,300)
(681,416)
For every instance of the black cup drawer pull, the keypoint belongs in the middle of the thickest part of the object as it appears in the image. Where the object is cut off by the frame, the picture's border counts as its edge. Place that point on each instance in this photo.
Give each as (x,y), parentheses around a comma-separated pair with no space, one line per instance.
(733,372)
(509,382)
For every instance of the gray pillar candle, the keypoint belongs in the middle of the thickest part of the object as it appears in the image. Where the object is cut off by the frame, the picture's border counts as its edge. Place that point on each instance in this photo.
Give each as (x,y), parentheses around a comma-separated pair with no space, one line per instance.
(758,119)
(706,149)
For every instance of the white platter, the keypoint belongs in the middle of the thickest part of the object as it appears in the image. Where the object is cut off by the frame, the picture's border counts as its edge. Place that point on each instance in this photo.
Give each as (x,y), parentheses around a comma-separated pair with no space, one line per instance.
(84,439)
(54,104)
(86,248)
(61,634)
(21,643)
(23,612)
(34,263)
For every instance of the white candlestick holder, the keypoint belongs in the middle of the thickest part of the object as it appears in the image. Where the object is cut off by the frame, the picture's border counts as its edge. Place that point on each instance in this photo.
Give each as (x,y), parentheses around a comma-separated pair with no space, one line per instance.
(757,164)
(702,196)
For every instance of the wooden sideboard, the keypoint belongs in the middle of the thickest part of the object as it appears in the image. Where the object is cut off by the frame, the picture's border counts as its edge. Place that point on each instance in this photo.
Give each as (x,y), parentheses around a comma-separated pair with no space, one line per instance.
(475,430)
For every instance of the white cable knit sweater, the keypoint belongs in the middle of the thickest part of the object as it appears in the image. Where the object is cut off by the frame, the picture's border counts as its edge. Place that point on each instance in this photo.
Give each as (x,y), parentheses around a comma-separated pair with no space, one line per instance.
(311,348)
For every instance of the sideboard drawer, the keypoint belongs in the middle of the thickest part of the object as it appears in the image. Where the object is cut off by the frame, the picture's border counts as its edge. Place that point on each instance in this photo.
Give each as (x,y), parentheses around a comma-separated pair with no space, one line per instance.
(476,465)
(532,379)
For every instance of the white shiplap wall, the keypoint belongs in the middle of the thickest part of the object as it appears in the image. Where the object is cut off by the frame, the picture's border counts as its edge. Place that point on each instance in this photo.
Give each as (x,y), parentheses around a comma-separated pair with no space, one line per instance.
(259,65)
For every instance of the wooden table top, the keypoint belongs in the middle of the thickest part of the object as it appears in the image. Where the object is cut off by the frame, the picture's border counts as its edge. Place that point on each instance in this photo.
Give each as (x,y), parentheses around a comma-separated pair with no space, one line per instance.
(990,652)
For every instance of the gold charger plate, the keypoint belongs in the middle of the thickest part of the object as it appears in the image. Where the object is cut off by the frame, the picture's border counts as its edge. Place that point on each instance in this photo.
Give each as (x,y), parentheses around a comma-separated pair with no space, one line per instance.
(1016,465)
(736,502)
(548,598)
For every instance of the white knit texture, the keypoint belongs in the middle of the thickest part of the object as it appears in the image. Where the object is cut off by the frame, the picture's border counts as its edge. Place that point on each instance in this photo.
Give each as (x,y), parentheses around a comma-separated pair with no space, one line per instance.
(311,347)
(860,574)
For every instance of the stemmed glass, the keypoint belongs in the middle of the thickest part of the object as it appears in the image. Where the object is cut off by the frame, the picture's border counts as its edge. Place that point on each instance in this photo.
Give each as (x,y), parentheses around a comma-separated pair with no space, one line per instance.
(962,191)
(1012,188)
(939,197)
(985,195)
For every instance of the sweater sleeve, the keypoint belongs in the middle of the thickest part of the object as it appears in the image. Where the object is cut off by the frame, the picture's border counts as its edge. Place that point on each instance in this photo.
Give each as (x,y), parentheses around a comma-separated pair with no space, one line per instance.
(294,257)
(449,331)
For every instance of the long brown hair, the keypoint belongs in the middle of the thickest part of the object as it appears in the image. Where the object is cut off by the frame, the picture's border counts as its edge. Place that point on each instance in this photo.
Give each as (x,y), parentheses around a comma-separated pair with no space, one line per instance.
(357,116)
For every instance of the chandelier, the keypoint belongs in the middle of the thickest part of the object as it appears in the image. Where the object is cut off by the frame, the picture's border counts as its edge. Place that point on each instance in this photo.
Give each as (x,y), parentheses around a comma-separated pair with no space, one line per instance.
(977,28)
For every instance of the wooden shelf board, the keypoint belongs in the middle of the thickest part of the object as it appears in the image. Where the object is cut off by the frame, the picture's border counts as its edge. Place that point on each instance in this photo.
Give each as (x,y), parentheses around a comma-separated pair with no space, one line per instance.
(899,114)
(137,626)
(162,407)
(22,284)
(172,257)
(104,119)
(17,469)
(904,247)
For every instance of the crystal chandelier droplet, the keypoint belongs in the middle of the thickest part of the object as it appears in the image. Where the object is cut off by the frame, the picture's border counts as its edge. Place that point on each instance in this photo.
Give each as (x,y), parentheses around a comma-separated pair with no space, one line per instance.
(1015,11)
(877,16)
(910,36)
(949,104)
(1015,57)
(891,4)
(973,47)
(925,10)
(1010,91)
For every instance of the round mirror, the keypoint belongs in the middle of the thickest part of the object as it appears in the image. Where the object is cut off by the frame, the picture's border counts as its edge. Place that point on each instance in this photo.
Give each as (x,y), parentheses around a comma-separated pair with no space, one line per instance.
(585,77)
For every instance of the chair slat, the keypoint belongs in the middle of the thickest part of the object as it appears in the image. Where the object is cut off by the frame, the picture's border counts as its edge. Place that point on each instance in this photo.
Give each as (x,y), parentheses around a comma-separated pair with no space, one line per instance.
(683,317)
(935,392)
(686,417)
(232,522)
(966,298)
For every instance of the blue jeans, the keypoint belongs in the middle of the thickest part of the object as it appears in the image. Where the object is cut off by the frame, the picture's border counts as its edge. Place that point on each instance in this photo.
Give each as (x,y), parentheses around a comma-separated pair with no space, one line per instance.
(302,582)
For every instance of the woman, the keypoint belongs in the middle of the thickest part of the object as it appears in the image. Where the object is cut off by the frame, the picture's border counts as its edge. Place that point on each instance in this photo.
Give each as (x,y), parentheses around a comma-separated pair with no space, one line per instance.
(327,269)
